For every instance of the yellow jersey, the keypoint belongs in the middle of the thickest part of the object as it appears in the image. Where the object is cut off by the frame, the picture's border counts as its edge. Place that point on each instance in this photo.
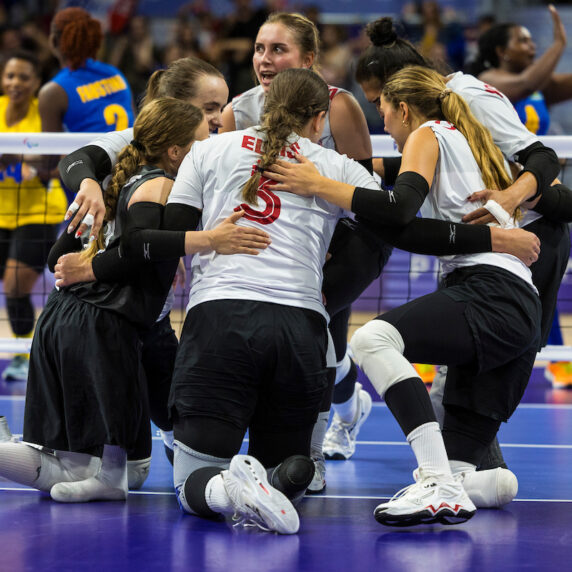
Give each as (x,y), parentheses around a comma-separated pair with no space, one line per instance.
(27,202)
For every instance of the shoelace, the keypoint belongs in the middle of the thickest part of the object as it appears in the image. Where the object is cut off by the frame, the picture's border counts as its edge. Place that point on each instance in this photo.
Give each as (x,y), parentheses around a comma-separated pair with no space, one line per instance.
(247,522)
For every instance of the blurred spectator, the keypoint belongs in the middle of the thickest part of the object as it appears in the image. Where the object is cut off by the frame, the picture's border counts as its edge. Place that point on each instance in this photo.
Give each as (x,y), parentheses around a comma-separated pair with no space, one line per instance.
(184,43)
(136,55)
(472,35)
(335,56)
(233,51)
(31,210)
(438,36)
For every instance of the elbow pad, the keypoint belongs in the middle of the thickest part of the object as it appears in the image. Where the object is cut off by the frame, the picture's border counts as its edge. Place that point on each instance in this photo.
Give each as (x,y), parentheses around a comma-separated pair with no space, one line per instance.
(89,162)
(542,162)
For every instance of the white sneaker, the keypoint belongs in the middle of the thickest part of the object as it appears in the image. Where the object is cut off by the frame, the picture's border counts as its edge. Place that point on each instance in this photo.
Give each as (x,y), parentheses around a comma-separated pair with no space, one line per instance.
(5,433)
(340,439)
(318,483)
(137,473)
(255,501)
(17,369)
(432,499)
(492,488)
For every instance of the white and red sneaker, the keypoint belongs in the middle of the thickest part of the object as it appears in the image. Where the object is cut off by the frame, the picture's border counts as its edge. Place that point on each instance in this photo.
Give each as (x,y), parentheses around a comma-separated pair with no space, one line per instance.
(432,499)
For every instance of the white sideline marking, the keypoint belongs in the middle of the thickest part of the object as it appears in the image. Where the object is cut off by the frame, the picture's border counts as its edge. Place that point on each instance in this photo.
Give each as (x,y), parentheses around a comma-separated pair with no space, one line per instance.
(316,497)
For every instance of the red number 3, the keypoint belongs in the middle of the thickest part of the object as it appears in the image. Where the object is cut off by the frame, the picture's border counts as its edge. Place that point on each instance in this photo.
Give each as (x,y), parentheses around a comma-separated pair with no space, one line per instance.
(273,205)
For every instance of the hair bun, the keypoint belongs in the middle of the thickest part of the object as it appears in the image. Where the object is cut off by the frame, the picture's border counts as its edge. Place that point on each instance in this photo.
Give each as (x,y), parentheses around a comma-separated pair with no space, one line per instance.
(381,32)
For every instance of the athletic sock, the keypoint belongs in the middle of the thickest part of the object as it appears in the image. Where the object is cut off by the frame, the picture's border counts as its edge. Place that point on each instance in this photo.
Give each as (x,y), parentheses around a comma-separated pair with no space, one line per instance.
(347,411)
(461,467)
(318,434)
(216,496)
(110,483)
(429,449)
(32,467)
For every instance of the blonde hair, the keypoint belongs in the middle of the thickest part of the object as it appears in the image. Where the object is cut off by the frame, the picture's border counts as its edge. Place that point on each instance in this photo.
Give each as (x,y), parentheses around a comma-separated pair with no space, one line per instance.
(162,123)
(426,92)
(295,96)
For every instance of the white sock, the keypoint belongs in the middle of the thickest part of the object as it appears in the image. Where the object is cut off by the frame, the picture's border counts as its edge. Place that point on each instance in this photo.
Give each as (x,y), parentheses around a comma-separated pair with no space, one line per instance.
(168,438)
(110,483)
(462,467)
(343,368)
(348,409)
(318,434)
(137,472)
(429,449)
(32,467)
(216,496)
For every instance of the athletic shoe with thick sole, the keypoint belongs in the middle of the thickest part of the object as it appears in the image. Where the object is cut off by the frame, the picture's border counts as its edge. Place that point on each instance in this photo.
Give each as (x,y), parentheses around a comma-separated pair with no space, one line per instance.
(255,501)
(493,488)
(318,483)
(340,440)
(17,369)
(432,499)
(5,433)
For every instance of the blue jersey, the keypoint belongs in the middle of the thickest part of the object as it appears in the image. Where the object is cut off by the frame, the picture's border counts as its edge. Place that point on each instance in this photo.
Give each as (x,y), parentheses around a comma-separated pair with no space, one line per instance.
(99,98)
(533,113)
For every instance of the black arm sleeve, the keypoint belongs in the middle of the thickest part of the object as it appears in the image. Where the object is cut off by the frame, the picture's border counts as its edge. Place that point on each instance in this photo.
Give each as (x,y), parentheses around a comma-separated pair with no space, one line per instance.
(142,238)
(542,162)
(397,207)
(89,162)
(436,237)
(110,266)
(65,243)
(391,166)
(556,203)
(181,217)
(367,163)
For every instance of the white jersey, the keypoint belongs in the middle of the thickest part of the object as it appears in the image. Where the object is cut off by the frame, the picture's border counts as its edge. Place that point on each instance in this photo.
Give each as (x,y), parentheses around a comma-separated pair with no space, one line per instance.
(289,271)
(248,108)
(496,112)
(457,175)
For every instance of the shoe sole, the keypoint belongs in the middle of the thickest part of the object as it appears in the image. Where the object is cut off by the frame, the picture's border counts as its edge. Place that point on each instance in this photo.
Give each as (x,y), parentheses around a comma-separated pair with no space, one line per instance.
(270,503)
(444,516)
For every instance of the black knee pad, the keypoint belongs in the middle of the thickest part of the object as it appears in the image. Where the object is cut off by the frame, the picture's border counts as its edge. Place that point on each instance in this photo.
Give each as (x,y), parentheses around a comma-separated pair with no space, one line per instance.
(21,314)
(293,475)
(195,486)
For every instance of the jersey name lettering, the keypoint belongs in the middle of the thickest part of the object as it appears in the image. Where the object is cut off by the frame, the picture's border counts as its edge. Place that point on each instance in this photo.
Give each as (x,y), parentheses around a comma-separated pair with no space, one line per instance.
(255,144)
(101,88)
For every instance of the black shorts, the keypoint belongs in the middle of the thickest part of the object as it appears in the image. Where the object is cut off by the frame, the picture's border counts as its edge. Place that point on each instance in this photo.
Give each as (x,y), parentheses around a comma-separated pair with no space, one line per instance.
(85,385)
(251,364)
(485,325)
(29,244)
(548,270)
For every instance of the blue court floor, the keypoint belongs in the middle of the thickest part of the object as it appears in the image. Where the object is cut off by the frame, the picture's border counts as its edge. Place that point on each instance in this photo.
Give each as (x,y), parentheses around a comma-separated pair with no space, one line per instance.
(338,531)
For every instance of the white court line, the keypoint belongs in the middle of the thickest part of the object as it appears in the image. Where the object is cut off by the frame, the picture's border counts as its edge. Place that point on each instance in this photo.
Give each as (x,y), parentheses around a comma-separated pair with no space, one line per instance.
(313,497)
(521,445)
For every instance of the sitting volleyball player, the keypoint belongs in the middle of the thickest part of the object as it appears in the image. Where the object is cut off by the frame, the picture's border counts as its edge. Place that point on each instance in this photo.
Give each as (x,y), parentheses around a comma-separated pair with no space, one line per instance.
(484,323)
(263,316)
(91,398)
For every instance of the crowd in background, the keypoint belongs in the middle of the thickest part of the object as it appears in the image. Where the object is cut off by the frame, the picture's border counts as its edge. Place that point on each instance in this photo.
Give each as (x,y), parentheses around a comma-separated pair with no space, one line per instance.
(227,42)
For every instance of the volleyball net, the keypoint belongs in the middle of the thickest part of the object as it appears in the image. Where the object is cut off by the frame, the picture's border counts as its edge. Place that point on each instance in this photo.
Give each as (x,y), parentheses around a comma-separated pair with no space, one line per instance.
(405,277)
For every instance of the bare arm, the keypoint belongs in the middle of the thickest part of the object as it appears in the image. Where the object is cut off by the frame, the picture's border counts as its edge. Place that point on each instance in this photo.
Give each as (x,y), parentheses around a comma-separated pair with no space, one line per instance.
(349,127)
(52,103)
(536,76)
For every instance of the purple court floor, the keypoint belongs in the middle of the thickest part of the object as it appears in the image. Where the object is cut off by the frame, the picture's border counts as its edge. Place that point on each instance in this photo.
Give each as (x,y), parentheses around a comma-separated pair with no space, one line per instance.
(338,531)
